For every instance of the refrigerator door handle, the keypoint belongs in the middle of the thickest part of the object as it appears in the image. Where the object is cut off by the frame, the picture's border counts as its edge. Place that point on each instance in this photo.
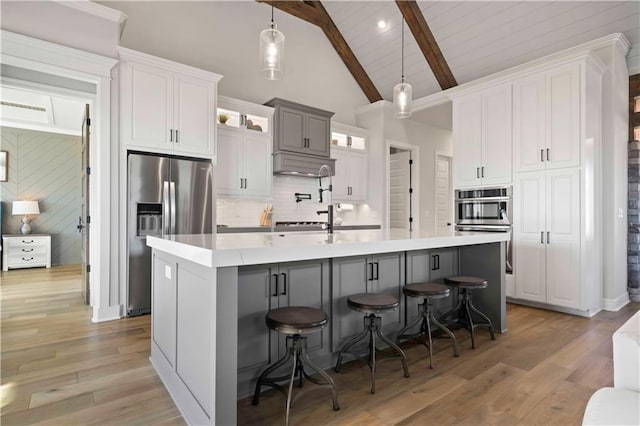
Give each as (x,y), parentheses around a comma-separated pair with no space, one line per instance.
(165,207)
(172,196)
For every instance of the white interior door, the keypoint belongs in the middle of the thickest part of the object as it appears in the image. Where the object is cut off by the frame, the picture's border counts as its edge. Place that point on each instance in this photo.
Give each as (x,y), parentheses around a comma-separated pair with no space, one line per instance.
(399,173)
(443,196)
(83,221)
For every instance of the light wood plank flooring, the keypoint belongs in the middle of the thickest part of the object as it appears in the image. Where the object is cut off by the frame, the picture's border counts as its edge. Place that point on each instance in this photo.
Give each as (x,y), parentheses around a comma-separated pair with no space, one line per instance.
(59,368)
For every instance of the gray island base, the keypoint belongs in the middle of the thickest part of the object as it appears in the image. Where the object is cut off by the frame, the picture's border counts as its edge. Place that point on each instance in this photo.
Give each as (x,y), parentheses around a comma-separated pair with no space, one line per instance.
(210,294)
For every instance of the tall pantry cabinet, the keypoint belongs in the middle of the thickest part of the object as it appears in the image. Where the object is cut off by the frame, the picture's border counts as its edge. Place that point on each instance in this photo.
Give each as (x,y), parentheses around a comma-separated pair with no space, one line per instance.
(556,197)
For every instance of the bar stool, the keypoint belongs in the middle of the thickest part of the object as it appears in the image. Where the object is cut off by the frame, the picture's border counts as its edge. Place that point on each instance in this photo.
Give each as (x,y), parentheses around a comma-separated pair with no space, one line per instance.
(462,313)
(295,322)
(371,304)
(427,291)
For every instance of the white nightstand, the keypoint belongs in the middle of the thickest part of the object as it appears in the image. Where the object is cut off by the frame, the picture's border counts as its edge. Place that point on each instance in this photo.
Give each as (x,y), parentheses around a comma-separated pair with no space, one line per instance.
(26,251)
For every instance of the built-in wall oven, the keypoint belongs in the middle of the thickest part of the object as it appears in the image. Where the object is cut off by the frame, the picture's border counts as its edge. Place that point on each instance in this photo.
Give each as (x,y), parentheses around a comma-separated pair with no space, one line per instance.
(485,210)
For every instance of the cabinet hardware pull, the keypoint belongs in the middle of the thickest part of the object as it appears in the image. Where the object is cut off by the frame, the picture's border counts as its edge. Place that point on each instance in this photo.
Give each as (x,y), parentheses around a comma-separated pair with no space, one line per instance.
(24,258)
(548,239)
(275,293)
(541,155)
(241,187)
(284,284)
(478,172)
(482,171)
(438,261)
(27,242)
(541,237)
(170,135)
(370,272)
(27,250)
(377,270)
(433,267)
(245,183)
(548,155)
(177,136)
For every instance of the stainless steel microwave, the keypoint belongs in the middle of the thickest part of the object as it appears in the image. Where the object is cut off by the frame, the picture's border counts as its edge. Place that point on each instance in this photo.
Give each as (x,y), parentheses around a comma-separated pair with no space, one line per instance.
(484,208)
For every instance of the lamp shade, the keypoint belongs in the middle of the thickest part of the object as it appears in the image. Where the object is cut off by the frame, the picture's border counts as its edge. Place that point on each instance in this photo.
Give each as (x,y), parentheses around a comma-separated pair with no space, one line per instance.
(25,208)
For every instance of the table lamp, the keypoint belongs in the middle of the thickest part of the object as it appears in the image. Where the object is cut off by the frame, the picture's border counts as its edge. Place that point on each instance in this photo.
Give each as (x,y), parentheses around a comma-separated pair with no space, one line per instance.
(25,208)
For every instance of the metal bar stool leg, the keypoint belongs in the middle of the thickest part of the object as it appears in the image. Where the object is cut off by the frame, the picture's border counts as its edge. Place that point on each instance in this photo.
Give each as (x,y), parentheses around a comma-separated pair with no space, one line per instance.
(469,318)
(349,344)
(403,332)
(304,356)
(489,324)
(372,353)
(265,374)
(444,318)
(293,377)
(449,333)
(397,349)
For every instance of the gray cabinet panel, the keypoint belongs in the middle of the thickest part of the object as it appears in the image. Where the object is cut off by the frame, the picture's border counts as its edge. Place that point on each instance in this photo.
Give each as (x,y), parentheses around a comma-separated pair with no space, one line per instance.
(318,132)
(350,276)
(290,133)
(194,334)
(164,300)
(389,272)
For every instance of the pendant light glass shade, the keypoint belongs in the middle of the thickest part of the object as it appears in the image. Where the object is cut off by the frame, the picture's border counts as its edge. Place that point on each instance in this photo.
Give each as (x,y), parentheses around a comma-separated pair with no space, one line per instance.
(402,97)
(272,51)
(402,92)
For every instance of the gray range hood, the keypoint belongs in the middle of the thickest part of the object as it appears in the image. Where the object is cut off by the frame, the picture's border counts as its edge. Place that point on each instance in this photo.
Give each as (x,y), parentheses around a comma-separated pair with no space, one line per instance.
(290,163)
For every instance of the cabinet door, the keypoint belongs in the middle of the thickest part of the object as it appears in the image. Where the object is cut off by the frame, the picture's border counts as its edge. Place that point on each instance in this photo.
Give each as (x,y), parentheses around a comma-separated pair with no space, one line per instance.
(467,135)
(341,180)
(306,284)
(563,117)
(258,164)
(194,115)
(496,136)
(147,106)
(318,132)
(528,228)
(230,166)
(256,285)
(418,271)
(389,279)
(350,276)
(290,134)
(163,327)
(443,263)
(529,123)
(563,242)
(359,177)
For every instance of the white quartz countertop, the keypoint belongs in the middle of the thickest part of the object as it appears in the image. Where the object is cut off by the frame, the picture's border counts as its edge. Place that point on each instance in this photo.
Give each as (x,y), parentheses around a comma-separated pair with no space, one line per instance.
(223,250)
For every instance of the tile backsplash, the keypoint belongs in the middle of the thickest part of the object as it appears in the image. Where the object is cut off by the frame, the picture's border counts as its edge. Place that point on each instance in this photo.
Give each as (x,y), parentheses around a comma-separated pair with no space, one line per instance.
(243,212)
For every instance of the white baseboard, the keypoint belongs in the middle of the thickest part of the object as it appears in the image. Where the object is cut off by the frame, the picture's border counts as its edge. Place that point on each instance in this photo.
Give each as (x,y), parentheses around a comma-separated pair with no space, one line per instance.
(616,304)
(108,313)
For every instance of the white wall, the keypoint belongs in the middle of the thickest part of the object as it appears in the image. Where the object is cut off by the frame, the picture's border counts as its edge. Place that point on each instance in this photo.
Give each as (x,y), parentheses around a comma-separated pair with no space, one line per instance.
(384,127)
(614,180)
(222,36)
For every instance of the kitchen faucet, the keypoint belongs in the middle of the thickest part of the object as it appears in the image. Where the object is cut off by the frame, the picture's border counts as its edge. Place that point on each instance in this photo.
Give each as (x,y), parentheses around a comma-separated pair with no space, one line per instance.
(329,211)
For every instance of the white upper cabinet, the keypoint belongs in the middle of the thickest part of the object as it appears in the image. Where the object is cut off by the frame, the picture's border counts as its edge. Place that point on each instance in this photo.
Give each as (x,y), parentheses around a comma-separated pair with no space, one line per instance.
(546,119)
(482,138)
(165,106)
(348,148)
(245,143)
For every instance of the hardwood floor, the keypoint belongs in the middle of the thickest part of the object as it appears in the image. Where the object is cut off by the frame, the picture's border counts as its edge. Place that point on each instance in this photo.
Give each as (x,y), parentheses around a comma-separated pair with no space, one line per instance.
(59,368)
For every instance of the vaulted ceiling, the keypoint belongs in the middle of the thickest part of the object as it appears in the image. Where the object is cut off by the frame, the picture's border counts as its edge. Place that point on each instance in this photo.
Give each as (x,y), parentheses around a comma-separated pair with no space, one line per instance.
(476,38)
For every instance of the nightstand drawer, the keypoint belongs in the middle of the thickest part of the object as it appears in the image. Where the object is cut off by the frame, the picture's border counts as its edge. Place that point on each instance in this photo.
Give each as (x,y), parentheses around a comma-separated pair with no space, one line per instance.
(40,249)
(26,261)
(26,242)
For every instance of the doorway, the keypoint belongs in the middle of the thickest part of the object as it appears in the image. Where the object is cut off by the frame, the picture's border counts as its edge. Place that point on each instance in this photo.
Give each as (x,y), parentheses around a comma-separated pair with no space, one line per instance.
(45,136)
(402,187)
(443,195)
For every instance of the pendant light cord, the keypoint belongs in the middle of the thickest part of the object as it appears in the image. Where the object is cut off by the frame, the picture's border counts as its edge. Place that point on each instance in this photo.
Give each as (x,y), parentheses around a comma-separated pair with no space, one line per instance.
(402,49)
(272,24)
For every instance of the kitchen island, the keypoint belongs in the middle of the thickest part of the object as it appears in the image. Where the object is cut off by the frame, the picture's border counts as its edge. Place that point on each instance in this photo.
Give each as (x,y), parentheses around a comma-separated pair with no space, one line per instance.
(210,294)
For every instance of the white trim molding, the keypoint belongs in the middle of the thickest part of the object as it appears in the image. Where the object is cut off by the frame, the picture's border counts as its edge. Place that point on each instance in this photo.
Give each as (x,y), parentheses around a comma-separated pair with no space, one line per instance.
(98,10)
(43,56)
(616,304)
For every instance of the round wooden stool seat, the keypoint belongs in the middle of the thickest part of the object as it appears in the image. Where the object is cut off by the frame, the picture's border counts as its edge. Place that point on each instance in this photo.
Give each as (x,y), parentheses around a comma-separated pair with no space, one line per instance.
(466,282)
(296,320)
(372,302)
(431,290)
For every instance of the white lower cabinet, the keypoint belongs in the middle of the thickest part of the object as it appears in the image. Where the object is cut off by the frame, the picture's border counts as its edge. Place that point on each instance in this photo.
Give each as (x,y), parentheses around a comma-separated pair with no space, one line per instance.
(547,240)
(26,251)
(381,273)
(267,287)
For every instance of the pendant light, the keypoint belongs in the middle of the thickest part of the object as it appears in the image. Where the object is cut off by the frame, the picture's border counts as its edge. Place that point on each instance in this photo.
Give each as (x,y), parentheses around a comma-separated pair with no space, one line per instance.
(402,92)
(271,51)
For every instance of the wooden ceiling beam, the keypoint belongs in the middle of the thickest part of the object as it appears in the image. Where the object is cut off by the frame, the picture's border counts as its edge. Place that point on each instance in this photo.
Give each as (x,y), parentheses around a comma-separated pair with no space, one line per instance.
(314,12)
(427,43)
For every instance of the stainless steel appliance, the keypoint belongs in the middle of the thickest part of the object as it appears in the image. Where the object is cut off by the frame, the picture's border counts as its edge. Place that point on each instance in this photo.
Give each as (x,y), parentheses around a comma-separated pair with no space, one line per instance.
(485,210)
(167,195)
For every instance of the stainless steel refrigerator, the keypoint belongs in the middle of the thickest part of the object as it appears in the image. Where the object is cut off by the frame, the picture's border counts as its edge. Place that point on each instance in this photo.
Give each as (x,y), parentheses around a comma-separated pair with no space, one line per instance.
(167,195)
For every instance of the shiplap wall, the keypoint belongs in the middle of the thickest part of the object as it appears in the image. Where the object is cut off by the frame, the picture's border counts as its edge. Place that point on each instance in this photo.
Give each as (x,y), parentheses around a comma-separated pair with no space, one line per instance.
(45,167)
